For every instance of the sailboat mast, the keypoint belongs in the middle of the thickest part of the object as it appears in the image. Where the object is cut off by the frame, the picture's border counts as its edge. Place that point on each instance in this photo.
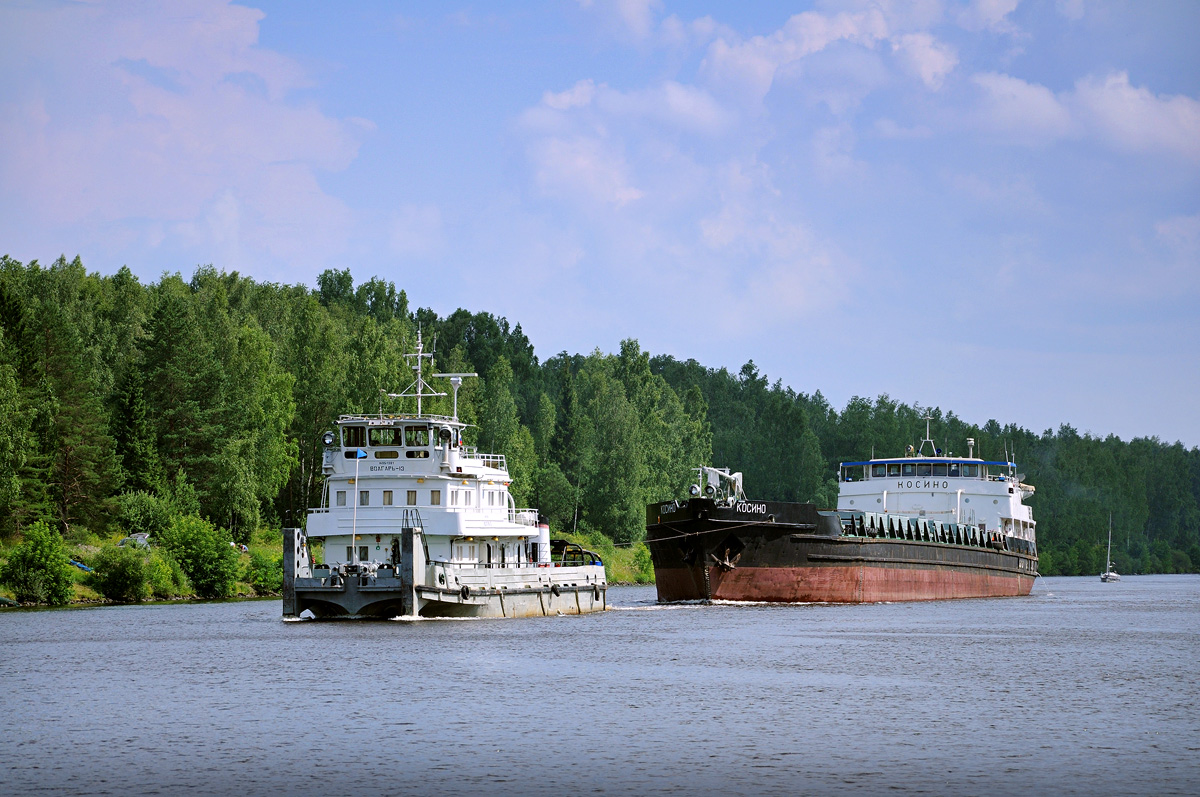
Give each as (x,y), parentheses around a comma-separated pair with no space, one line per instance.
(1108,558)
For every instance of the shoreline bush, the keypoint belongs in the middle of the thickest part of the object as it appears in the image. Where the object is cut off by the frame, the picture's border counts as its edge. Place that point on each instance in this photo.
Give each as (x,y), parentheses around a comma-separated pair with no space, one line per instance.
(38,570)
(205,555)
(120,574)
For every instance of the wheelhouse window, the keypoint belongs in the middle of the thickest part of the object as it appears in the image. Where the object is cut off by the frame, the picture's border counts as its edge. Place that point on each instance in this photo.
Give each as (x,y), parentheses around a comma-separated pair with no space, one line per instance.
(878,471)
(955,469)
(416,436)
(970,471)
(939,469)
(385,436)
(923,469)
(354,436)
(908,469)
(893,470)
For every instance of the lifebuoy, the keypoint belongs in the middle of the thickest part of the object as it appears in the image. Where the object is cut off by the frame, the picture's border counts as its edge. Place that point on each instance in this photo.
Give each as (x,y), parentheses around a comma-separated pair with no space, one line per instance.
(465,592)
(554,590)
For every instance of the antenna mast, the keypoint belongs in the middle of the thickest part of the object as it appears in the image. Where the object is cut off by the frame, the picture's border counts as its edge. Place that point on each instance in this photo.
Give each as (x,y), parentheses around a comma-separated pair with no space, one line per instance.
(419,388)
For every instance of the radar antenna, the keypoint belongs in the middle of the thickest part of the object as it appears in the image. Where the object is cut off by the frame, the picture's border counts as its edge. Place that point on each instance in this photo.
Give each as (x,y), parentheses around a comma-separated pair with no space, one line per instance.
(456,383)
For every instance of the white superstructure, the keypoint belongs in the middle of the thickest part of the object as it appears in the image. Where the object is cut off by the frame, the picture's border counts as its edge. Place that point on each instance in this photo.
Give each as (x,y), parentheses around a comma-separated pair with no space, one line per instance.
(408,507)
(965,490)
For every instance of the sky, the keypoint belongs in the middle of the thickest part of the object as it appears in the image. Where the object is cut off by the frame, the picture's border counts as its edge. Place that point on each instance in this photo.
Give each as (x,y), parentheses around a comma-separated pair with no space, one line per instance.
(992,207)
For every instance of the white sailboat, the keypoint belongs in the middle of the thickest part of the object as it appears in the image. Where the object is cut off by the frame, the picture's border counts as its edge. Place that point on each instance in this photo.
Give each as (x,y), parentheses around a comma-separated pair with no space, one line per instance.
(1109,574)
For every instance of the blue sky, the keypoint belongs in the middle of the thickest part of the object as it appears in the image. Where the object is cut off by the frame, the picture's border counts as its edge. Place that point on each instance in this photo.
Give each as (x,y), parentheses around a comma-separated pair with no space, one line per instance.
(992,207)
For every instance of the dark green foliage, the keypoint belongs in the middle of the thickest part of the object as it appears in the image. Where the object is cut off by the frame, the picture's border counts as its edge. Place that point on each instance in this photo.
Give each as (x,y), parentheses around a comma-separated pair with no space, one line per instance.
(643,563)
(264,573)
(123,406)
(39,570)
(164,576)
(143,513)
(120,574)
(133,435)
(205,555)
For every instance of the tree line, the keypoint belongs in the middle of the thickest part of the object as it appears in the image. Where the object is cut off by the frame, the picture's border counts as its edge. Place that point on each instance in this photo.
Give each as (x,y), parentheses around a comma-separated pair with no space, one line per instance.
(212,393)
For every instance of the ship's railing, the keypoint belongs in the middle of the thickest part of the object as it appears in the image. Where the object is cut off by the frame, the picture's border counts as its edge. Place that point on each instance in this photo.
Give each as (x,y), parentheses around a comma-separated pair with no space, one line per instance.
(900,527)
(514,565)
(523,517)
(491,460)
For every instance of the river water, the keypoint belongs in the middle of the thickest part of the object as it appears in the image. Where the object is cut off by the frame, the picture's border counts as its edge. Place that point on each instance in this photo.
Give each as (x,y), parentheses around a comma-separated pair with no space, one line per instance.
(1081,688)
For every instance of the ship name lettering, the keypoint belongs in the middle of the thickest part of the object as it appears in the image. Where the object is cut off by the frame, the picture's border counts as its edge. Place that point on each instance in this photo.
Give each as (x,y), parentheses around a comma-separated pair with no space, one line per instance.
(757,509)
(903,485)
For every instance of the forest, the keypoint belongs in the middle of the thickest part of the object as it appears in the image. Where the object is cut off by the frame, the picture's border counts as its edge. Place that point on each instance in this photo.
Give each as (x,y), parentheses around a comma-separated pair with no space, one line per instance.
(207,397)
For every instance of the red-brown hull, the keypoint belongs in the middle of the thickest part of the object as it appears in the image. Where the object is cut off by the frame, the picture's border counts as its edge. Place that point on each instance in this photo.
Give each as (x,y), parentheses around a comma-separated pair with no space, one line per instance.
(835,584)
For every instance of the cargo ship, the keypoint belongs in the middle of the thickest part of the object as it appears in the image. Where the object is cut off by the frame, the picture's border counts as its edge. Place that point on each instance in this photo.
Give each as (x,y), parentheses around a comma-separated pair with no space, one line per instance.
(918,527)
(413,522)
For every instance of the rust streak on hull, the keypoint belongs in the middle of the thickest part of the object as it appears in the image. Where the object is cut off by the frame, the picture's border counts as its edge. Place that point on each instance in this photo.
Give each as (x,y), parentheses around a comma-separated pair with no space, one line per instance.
(851,584)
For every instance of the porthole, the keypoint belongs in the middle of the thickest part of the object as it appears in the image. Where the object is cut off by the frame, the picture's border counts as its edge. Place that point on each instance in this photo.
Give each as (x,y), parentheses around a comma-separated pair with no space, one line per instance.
(851,502)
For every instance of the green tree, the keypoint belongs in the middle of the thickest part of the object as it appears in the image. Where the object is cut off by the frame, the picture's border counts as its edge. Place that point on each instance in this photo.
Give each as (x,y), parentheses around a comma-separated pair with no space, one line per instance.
(38,570)
(14,439)
(501,430)
(184,388)
(133,436)
(205,553)
(120,574)
(144,513)
(264,573)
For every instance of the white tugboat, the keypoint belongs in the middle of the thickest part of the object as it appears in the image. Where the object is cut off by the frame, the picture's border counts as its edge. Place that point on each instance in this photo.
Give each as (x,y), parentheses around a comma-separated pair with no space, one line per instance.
(417,524)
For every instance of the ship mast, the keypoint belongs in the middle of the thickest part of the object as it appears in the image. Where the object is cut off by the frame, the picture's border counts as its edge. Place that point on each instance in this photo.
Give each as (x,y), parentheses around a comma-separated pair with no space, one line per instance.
(927,439)
(419,388)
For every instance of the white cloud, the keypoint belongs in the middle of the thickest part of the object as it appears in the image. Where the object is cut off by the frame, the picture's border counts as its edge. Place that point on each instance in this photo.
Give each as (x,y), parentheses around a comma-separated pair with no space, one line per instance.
(631,19)
(1013,193)
(1135,118)
(925,56)
(672,104)
(888,128)
(745,70)
(638,15)
(833,149)
(1182,233)
(1109,109)
(172,117)
(577,96)
(582,168)
(1012,109)
(792,270)
(989,15)
(1071,9)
